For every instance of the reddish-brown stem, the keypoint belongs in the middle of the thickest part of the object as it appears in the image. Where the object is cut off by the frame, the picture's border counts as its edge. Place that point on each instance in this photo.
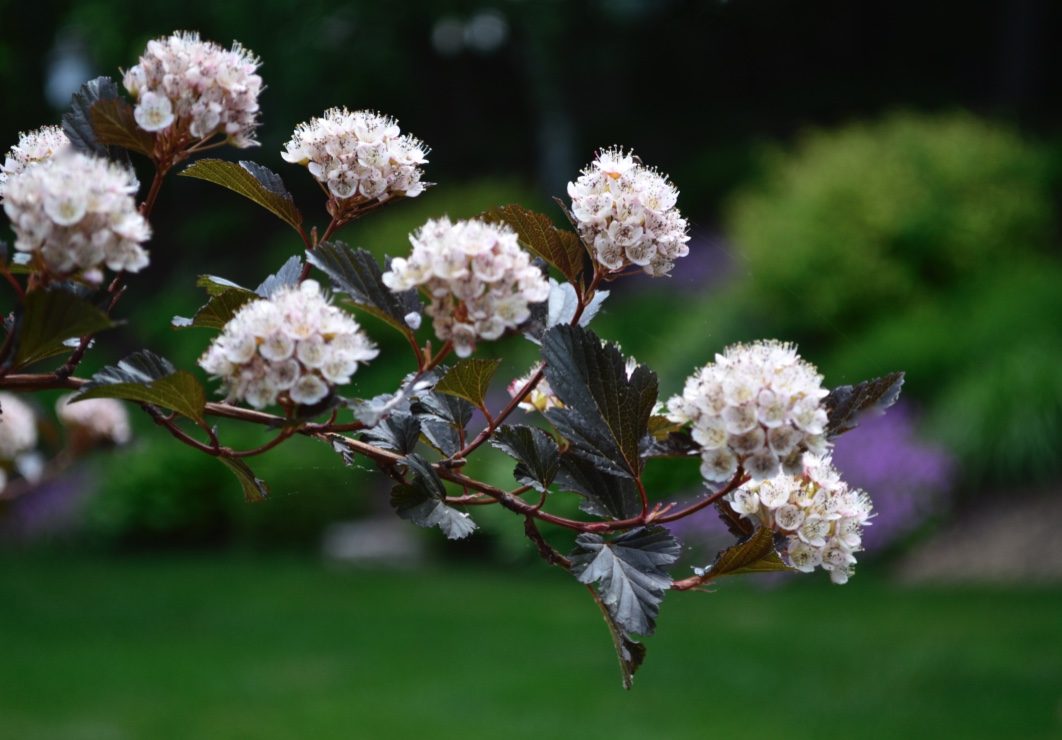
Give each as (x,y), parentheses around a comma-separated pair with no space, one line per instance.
(153,193)
(494,423)
(14,283)
(545,550)
(284,434)
(739,479)
(439,356)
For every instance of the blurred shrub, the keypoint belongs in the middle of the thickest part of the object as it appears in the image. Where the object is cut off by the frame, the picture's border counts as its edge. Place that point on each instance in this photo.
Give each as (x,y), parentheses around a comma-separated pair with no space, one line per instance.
(161,493)
(1004,417)
(857,222)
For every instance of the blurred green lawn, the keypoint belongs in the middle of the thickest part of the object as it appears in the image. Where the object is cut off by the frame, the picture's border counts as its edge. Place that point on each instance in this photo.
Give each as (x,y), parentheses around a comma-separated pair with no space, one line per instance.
(235,647)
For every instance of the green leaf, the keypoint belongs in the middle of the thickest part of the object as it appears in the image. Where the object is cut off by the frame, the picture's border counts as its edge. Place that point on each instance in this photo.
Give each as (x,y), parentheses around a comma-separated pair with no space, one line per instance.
(538,459)
(114,125)
(605,413)
(144,376)
(218,311)
(355,272)
(240,178)
(562,249)
(847,406)
(755,554)
(607,496)
(629,571)
(469,379)
(630,652)
(52,317)
(215,285)
(254,489)
(423,502)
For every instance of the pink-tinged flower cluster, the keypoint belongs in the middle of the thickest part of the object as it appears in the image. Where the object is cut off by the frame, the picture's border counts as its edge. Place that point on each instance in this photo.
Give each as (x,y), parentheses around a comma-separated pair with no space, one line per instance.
(360,156)
(759,406)
(820,517)
(77,212)
(481,283)
(95,419)
(626,213)
(293,346)
(196,87)
(34,147)
(18,433)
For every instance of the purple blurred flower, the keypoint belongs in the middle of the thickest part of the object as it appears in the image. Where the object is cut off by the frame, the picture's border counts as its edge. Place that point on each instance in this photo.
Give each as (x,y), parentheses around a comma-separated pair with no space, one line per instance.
(908,479)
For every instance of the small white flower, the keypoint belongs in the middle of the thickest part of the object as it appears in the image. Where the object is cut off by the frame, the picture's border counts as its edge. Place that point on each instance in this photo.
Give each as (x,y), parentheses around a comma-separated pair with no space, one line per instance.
(472,270)
(359,156)
(18,427)
(822,518)
(36,146)
(78,213)
(196,87)
(154,112)
(294,343)
(626,213)
(97,418)
(761,402)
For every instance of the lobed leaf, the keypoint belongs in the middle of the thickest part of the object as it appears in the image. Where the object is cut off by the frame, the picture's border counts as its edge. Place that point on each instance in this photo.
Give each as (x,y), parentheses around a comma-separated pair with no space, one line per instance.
(114,125)
(215,285)
(254,489)
(469,379)
(50,318)
(77,122)
(562,249)
(629,571)
(218,311)
(267,179)
(847,405)
(286,277)
(605,413)
(630,652)
(536,453)
(755,554)
(356,273)
(423,501)
(607,496)
(395,427)
(252,181)
(145,377)
(736,524)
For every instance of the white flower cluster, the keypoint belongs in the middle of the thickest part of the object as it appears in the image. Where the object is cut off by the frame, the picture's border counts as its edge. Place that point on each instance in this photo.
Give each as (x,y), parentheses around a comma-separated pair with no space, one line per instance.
(198,87)
(78,212)
(97,419)
(360,155)
(18,433)
(34,147)
(627,213)
(758,406)
(820,516)
(294,345)
(479,279)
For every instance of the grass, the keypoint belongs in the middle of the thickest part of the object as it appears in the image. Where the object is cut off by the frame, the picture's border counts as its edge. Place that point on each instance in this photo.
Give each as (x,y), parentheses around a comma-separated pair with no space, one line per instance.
(194,647)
